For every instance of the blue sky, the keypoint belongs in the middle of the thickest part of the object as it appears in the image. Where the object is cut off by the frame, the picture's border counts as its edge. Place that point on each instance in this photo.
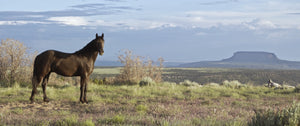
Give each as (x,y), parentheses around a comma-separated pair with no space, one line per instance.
(177,30)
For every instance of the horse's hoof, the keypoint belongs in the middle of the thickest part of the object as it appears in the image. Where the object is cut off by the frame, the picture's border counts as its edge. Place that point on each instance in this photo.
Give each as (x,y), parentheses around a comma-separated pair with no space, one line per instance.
(31,100)
(85,101)
(46,100)
(81,101)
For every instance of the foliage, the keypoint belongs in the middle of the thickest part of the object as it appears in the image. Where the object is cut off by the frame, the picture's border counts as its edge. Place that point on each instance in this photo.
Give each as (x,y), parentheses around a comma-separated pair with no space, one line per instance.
(189,83)
(117,119)
(297,88)
(233,84)
(15,62)
(147,81)
(98,81)
(286,117)
(136,68)
(160,104)
(218,75)
(69,121)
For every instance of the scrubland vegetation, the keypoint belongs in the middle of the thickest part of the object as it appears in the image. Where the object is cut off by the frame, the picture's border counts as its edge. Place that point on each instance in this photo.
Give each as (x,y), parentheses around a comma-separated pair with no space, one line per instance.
(229,103)
(218,75)
(143,93)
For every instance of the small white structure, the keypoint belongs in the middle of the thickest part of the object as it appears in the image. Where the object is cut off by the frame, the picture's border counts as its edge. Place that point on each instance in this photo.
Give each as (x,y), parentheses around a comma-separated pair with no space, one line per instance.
(273,84)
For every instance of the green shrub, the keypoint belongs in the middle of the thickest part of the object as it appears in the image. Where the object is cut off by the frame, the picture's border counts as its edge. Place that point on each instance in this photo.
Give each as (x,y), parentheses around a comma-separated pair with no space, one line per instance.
(141,109)
(118,119)
(98,81)
(233,84)
(69,121)
(285,117)
(212,85)
(297,88)
(147,81)
(189,83)
(88,122)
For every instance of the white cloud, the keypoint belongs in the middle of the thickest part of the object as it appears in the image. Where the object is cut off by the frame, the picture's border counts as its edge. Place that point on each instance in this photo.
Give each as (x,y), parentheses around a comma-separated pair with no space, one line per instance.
(134,24)
(20,22)
(258,24)
(253,20)
(70,20)
(201,34)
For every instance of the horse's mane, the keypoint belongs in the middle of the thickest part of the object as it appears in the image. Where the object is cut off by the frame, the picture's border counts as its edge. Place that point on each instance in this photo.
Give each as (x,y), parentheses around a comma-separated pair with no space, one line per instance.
(90,47)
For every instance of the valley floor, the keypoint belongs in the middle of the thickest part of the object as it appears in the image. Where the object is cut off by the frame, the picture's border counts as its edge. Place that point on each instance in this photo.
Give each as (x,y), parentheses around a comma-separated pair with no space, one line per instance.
(160,104)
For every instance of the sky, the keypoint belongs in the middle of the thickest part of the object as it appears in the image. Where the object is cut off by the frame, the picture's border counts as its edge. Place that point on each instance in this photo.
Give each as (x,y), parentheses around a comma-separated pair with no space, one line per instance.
(177,30)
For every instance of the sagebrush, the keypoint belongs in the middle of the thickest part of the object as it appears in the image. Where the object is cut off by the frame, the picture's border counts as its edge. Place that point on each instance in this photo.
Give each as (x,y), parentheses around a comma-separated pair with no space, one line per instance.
(137,68)
(15,62)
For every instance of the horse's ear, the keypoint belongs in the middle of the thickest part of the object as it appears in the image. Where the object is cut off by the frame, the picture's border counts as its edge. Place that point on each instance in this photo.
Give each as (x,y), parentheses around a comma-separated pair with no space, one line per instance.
(102,35)
(96,35)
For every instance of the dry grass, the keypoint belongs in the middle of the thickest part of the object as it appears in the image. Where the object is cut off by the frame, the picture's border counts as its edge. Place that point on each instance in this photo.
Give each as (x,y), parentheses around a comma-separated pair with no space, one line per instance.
(160,104)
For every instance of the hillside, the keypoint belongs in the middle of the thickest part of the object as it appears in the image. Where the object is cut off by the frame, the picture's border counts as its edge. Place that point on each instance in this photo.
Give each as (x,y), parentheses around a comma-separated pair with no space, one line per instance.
(252,60)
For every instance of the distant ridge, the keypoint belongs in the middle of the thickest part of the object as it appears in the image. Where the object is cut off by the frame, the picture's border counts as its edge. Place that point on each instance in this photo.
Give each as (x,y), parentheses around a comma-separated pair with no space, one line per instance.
(248,59)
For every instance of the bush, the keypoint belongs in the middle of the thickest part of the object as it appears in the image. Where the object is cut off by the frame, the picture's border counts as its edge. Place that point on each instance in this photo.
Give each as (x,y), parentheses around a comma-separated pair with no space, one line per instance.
(68,121)
(297,88)
(288,116)
(137,68)
(117,119)
(233,84)
(147,81)
(212,85)
(98,81)
(189,83)
(15,62)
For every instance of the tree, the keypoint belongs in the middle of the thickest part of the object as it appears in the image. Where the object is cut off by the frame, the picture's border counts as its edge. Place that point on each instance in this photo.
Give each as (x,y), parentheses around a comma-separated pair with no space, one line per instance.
(15,61)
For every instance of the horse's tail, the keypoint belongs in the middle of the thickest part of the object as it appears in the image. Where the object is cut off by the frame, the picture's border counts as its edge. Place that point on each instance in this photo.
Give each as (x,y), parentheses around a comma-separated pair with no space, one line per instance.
(34,82)
(34,72)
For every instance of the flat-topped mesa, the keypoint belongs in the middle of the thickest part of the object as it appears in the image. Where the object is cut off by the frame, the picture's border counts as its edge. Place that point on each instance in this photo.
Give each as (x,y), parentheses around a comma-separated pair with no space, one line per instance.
(247,56)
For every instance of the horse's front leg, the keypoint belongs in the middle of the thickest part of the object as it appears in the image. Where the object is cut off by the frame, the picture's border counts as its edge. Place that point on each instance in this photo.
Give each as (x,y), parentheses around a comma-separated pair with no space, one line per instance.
(82,86)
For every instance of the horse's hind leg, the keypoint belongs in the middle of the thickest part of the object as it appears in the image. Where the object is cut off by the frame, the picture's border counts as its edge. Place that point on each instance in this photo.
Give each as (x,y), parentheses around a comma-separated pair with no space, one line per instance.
(35,82)
(44,85)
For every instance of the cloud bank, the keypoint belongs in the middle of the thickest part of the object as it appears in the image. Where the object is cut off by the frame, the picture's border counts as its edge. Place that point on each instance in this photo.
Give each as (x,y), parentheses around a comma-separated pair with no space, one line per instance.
(205,31)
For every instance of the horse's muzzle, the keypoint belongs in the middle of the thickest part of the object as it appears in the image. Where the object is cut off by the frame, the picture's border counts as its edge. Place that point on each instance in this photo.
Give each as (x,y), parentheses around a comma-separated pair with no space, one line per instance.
(101,52)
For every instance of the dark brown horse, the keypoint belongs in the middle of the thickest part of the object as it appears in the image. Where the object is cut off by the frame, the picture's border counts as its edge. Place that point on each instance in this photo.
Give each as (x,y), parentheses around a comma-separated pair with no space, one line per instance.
(80,63)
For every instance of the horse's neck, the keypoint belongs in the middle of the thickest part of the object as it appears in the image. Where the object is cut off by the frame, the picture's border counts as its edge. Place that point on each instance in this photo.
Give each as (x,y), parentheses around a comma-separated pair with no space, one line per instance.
(91,56)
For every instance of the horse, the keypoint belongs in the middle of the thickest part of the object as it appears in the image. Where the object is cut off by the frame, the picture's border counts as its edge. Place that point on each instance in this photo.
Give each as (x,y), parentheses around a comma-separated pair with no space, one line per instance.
(80,63)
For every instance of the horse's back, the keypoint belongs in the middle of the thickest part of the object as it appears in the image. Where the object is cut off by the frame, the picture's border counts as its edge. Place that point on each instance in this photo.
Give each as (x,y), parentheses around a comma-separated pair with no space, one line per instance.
(43,61)
(66,64)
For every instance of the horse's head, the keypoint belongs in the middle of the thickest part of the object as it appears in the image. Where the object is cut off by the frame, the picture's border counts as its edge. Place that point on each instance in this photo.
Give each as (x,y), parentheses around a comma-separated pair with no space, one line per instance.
(100,43)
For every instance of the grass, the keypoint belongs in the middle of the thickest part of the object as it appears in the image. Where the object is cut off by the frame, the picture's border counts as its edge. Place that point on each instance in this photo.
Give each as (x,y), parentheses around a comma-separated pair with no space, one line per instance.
(159,104)
(107,70)
(215,75)
(188,103)
(218,75)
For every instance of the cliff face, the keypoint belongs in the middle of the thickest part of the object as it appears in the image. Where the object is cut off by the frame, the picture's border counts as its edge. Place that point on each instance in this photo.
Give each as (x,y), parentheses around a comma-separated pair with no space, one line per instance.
(252,60)
(253,57)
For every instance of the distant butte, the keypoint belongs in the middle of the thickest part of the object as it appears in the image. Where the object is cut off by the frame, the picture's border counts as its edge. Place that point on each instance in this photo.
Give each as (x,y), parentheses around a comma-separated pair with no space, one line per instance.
(250,60)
